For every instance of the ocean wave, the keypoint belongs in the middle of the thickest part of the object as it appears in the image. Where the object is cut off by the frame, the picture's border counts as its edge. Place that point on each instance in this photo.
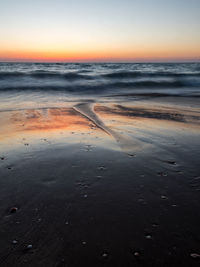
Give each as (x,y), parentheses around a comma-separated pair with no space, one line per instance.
(102,91)
(135,74)
(97,86)
(11,74)
(45,74)
(51,74)
(149,84)
(84,74)
(105,78)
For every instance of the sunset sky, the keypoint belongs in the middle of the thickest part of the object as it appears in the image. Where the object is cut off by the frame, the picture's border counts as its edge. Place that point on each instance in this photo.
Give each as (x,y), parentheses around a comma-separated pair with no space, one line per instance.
(94,30)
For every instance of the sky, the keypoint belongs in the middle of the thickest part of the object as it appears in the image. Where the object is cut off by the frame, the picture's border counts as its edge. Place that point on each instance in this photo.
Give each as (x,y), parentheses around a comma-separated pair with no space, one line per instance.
(100,30)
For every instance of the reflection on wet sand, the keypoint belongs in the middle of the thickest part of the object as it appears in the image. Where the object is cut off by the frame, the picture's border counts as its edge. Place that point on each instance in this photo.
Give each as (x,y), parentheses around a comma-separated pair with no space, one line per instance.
(131,127)
(160,113)
(67,187)
(127,144)
(41,121)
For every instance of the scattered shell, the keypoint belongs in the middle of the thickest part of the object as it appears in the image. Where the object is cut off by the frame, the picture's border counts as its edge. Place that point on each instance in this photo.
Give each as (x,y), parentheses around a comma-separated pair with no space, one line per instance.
(105,255)
(195,255)
(85,196)
(84,243)
(14,242)
(67,223)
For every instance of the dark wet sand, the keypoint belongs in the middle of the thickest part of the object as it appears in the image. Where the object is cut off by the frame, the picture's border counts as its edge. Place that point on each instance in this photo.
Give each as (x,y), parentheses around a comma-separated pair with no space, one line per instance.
(87,195)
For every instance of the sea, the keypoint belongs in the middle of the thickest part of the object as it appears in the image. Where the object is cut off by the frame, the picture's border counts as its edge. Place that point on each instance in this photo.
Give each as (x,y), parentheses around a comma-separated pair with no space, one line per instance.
(37,85)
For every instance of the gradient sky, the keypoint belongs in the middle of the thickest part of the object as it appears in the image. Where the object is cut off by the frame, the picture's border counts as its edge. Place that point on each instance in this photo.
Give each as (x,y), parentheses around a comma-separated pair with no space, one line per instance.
(99,30)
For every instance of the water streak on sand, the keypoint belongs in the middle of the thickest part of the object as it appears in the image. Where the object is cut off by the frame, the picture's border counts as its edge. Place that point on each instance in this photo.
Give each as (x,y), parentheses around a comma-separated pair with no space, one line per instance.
(127,144)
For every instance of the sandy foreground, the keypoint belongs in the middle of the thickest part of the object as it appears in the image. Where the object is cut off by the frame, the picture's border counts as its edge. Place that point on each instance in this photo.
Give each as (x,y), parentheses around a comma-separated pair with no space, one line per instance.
(101,184)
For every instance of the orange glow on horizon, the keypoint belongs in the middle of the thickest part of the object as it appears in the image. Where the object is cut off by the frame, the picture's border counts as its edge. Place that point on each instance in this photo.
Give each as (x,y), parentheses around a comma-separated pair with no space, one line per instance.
(101,31)
(101,55)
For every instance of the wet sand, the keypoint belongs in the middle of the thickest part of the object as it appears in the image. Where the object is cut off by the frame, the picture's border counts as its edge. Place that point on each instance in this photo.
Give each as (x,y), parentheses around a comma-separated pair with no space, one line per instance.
(101,184)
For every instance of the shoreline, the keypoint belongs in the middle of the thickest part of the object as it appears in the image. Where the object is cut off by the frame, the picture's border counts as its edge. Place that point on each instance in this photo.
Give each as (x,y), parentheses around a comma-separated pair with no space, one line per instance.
(81,199)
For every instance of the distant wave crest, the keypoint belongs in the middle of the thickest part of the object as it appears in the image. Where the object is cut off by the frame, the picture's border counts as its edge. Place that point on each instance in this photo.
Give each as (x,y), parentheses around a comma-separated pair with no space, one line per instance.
(44,74)
(135,74)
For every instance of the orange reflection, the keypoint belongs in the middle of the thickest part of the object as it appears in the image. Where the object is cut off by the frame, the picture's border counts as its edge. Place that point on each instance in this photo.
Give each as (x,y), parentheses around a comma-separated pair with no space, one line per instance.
(16,123)
(121,120)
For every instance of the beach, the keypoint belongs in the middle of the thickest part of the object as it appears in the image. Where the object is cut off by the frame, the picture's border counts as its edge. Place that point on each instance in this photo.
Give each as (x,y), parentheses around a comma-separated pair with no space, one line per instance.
(110,179)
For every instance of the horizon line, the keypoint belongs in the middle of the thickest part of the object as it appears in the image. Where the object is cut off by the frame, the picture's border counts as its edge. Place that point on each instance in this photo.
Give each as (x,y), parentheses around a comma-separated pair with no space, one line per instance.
(102,62)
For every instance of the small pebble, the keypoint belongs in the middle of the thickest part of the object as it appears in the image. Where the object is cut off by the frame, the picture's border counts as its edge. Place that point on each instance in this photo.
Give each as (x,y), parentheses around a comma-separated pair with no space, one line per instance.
(131,155)
(171,162)
(29,246)
(163,197)
(162,173)
(195,255)
(101,168)
(85,196)
(2,158)
(14,242)
(13,209)
(84,243)
(155,224)
(136,254)
(104,255)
